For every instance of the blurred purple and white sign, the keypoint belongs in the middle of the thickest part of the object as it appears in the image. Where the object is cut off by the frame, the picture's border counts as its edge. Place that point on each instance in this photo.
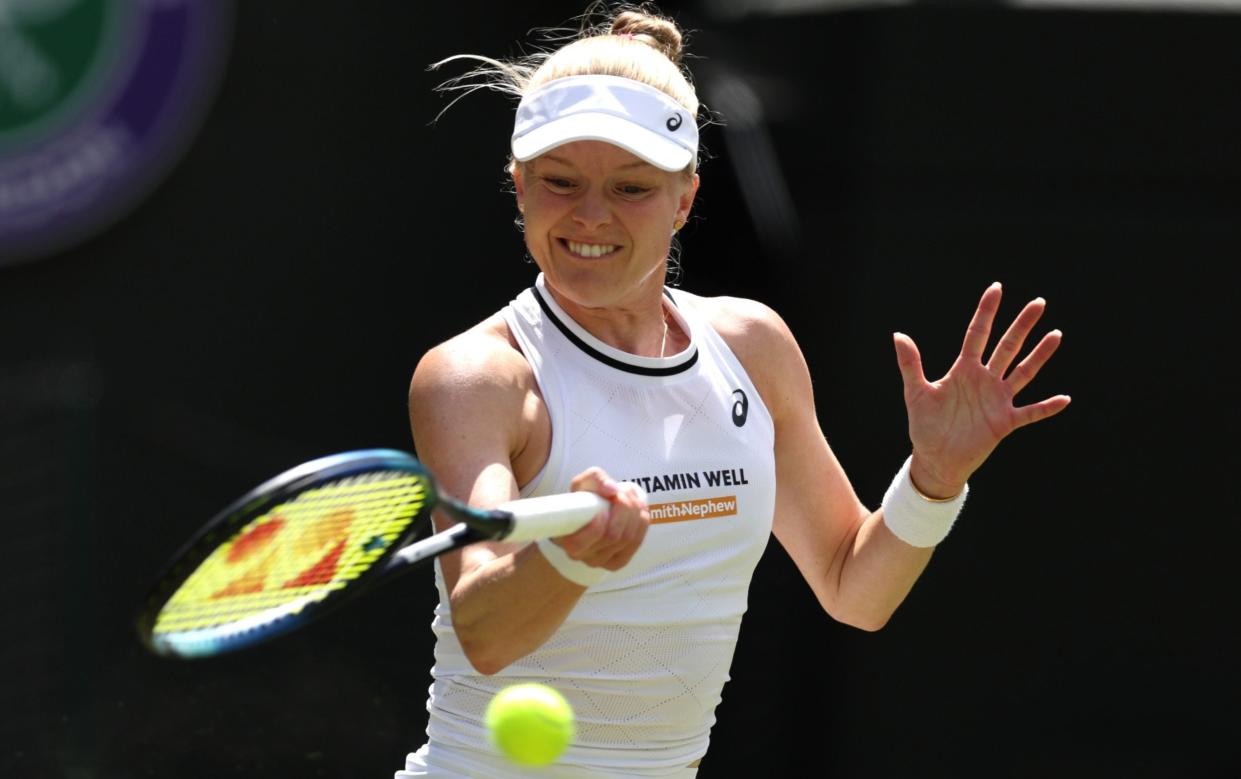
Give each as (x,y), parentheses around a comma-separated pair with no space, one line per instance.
(98,100)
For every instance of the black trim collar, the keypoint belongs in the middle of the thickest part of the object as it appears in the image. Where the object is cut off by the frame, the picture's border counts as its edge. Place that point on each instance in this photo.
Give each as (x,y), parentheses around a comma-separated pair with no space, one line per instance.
(576,340)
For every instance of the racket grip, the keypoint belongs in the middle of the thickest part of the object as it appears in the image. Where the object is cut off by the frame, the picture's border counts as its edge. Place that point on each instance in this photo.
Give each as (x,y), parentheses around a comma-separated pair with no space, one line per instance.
(549,516)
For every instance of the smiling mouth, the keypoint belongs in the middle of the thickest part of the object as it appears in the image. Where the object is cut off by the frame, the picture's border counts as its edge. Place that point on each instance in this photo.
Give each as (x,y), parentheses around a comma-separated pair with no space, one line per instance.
(589,250)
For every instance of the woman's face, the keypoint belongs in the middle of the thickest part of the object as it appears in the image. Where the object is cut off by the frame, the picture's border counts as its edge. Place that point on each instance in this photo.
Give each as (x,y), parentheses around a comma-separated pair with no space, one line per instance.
(599,221)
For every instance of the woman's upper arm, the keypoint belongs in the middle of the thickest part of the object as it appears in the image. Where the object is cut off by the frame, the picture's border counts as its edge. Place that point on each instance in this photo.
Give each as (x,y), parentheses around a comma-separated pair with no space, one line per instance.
(817,512)
(465,411)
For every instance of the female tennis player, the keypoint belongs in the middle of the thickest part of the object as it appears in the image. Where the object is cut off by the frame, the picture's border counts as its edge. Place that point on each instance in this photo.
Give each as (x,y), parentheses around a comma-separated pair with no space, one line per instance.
(694,417)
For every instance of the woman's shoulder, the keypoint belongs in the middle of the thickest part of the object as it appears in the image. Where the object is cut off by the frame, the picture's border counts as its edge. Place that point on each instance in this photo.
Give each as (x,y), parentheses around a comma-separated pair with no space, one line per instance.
(760,340)
(483,359)
(470,401)
(745,325)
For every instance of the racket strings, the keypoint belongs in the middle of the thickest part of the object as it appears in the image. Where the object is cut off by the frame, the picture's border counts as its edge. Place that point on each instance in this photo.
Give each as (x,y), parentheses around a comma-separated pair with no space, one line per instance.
(297,553)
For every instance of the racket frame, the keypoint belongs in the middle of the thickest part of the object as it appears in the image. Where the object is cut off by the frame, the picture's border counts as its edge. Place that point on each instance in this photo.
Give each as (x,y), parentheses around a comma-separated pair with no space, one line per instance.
(259,501)
(528,518)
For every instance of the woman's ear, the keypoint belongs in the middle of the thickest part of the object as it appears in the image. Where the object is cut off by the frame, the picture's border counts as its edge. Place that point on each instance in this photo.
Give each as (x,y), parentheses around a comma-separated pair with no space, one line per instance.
(519,186)
(686,201)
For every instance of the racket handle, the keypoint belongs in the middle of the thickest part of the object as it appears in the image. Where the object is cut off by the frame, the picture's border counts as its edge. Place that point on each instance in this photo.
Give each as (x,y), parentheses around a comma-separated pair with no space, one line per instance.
(549,516)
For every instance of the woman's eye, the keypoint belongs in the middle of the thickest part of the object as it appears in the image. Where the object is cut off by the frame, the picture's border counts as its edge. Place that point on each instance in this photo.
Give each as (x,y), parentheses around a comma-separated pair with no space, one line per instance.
(633,189)
(557,183)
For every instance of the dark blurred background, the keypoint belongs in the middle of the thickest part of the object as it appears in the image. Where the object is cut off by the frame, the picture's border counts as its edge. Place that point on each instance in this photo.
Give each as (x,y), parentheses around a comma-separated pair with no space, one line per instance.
(263,291)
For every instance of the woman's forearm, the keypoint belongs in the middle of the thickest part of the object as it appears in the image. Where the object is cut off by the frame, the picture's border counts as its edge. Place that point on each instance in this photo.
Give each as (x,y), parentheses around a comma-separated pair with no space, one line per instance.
(507,607)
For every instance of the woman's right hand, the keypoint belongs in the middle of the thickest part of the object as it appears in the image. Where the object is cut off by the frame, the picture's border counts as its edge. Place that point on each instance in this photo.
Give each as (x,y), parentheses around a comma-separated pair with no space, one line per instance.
(611,538)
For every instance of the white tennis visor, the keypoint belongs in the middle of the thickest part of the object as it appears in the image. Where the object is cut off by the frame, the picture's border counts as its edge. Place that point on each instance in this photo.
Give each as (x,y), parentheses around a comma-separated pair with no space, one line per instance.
(626,113)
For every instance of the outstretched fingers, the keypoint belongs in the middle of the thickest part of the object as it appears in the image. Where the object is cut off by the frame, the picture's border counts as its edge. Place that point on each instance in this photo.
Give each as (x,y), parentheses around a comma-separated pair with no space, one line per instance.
(1036,412)
(1028,368)
(909,360)
(979,331)
(1015,337)
(1025,372)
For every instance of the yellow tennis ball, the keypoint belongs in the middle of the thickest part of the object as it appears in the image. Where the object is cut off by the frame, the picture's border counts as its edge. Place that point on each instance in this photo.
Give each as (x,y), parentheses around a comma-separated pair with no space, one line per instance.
(530,723)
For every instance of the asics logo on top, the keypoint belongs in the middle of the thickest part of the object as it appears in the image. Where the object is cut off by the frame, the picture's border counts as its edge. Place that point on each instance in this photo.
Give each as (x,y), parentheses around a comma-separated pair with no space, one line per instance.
(674,122)
(741,408)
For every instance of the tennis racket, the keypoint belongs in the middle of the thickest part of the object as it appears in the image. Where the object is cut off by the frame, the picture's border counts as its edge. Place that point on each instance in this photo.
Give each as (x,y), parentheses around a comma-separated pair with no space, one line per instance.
(303,542)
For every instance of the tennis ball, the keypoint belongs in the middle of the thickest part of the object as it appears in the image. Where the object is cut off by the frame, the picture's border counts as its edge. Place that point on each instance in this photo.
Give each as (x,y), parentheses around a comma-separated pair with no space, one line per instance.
(530,723)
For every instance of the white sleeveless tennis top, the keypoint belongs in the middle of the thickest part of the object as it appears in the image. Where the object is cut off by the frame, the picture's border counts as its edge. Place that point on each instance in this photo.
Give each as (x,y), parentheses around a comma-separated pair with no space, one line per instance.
(644,655)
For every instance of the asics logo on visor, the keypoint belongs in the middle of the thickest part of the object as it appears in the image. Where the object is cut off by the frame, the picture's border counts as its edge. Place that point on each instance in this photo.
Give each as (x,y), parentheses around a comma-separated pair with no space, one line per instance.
(674,122)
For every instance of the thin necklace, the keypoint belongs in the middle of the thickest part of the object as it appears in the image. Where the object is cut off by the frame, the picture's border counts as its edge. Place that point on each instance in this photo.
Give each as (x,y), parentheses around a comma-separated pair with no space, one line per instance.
(663,344)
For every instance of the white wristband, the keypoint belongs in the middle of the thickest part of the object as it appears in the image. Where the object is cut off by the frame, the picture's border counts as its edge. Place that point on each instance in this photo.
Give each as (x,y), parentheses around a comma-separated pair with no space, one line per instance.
(573,570)
(914,518)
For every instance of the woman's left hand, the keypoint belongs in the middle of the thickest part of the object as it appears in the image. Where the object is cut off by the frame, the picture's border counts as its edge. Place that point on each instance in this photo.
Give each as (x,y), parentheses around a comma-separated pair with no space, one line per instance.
(956,422)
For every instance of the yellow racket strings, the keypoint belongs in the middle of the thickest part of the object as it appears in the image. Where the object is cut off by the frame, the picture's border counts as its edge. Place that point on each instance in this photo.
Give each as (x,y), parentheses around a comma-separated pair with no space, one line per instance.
(298,552)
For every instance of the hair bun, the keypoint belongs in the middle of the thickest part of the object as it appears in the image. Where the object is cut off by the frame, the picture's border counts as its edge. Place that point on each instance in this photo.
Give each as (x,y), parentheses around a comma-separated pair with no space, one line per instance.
(662,34)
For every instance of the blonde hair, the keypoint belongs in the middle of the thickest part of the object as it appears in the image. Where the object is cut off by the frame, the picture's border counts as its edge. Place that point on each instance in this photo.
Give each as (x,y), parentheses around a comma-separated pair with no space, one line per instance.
(633,42)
